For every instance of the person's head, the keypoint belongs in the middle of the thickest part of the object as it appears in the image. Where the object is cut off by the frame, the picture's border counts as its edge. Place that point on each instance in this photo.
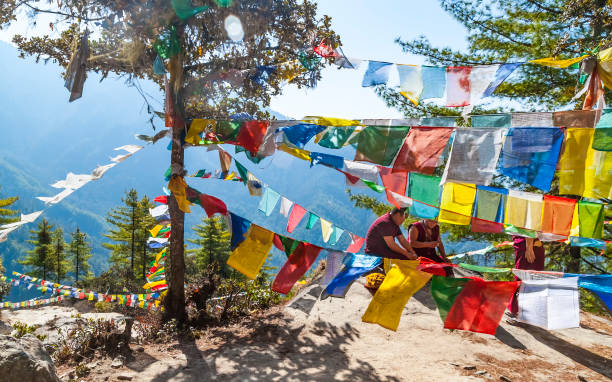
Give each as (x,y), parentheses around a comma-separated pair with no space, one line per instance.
(430,223)
(398,215)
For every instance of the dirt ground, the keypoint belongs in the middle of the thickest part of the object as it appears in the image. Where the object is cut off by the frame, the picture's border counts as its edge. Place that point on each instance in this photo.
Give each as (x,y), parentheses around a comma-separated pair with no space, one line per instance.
(325,340)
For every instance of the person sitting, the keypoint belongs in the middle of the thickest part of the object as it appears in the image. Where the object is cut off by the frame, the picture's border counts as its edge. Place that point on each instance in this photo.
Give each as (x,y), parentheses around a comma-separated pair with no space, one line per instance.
(380,239)
(425,238)
(529,254)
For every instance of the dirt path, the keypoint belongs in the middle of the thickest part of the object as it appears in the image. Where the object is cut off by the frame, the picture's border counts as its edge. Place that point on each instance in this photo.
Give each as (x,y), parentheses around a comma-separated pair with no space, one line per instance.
(325,340)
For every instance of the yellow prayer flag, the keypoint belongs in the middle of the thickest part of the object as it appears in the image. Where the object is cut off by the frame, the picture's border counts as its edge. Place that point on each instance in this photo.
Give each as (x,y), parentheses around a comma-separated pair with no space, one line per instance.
(337,122)
(178,187)
(604,67)
(326,230)
(402,281)
(556,63)
(90,296)
(197,127)
(298,153)
(155,230)
(141,304)
(251,254)
(524,210)
(159,255)
(457,202)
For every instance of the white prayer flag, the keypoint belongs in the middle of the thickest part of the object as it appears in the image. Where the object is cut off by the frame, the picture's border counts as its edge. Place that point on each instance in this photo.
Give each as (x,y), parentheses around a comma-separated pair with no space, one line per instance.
(285,207)
(551,304)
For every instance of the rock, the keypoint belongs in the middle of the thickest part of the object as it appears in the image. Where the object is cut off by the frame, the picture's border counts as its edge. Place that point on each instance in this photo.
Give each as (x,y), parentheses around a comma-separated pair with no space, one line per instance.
(4,328)
(481,372)
(117,363)
(469,367)
(582,379)
(453,364)
(122,377)
(140,349)
(504,378)
(25,360)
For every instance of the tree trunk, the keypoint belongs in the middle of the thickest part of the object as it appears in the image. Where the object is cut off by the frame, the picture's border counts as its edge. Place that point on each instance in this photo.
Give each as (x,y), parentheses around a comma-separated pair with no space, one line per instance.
(133,239)
(77,267)
(175,277)
(573,264)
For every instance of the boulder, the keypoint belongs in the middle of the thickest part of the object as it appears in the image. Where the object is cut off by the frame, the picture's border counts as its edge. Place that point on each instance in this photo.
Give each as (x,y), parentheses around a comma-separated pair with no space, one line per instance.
(25,360)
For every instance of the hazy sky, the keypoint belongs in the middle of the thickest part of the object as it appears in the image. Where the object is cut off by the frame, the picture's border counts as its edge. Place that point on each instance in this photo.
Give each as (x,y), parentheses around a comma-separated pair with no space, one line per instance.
(367,30)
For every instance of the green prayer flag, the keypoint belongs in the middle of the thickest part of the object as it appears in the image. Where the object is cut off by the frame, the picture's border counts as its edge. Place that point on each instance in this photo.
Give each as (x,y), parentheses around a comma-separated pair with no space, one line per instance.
(491,120)
(167,44)
(335,137)
(488,205)
(590,217)
(439,121)
(373,186)
(244,173)
(513,230)
(289,244)
(478,268)
(425,191)
(308,62)
(444,291)
(184,10)
(602,139)
(380,144)
(227,130)
(168,173)
(312,220)
(200,174)
(254,159)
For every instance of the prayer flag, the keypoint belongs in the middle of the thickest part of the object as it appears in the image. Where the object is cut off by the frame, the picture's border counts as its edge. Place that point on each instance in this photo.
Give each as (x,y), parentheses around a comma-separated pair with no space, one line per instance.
(500,76)
(268,201)
(602,139)
(333,266)
(558,63)
(327,121)
(530,155)
(473,156)
(244,173)
(574,118)
(421,149)
(178,188)
(285,244)
(312,220)
(296,266)
(197,127)
(557,215)
(225,160)
(380,144)
(251,135)
(327,160)
(326,229)
(212,205)
(551,304)
(184,10)
(425,192)
(395,182)
(434,81)
(591,217)
(240,226)
(601,285)
(364,171)
(356,243)
(458,86)
(297,213)
(300,134)
(401,282)
(335,137)
(251,254)
(335,236)
(253,184)
(491,120)
(457,202)
(356,265)
(472,304)
(481,77)
(524,210)
(298,153)
(411,82)
(582,170)
(377,73)
(285,207)
(489,210)
(227,131)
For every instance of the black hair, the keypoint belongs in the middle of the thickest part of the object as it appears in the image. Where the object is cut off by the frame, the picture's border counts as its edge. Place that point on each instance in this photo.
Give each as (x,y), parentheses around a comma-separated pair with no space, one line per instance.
(396,210)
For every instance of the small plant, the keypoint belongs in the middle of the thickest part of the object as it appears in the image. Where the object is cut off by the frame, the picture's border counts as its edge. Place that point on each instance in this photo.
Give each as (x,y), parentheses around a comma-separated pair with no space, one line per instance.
(103,307)
(81,371)
(22,328)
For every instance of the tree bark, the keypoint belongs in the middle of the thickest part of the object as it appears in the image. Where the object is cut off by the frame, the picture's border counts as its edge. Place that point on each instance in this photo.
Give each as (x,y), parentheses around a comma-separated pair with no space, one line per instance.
(573,264)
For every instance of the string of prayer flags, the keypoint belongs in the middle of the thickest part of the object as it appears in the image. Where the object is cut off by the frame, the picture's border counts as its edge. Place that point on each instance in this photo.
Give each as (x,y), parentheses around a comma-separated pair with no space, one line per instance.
(551,304)
(471,304)
(474,155)
(602,139)
(296,266)
(530,155)
(401,282)
(48,200)
(425,192)
(557,215)
(456,203)
(489,209)
(268,201)
(380,145)
(591,217)
(421,149)
(524,210)
(297,213)
(73,181)
(377,73)
(251,254)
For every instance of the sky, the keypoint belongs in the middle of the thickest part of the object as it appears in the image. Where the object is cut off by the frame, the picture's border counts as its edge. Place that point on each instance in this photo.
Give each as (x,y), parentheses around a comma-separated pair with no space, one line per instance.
(367,30)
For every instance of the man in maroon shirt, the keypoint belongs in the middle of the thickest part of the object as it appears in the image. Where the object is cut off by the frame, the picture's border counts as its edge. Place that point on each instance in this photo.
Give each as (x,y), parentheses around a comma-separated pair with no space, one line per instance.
(380,240)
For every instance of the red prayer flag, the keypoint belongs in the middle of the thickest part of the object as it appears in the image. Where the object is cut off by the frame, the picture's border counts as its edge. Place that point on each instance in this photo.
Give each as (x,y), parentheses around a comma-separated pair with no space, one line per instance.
(480,225)
(557,215)
(296,266)
(297,213)
(458,86)
(163,199)
(422,149)
(393,181)
(435,268)
(325,50)
(278,243)
(212,205)
(356,243)
(480,305)
(251,135)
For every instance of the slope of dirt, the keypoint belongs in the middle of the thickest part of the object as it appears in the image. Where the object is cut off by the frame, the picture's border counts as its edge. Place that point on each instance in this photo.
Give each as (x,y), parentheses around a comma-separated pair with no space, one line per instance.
(325,340)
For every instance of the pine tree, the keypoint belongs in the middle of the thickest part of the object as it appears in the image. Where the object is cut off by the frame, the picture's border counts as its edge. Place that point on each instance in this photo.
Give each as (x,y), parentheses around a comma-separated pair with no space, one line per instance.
(40,258)
(125,221)
(8,215)
(146,223)
(58,255)
(79,252)
(275,32)
(213,240)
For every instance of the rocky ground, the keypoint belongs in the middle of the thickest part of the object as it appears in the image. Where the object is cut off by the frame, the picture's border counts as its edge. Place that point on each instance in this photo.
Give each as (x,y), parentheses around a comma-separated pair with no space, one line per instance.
(325,340)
